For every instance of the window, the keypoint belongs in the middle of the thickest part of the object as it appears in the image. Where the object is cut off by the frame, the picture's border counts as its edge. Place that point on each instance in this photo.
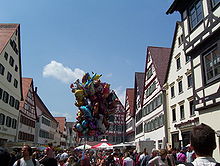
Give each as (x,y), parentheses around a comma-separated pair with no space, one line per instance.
(215,3)
(195,14)
(2,69)
(188,58)
(182,114)
(6,56)
(11,61)
(16,68)
(178,65)
(1,92)
(149,73)
(9,77)
(12,101)
(5,97)
(15,83)
(212,65)
(17,104)
(172,92)
(180,85)
(192,111)
(14,123)
(2,119)
(8,121)
(174,114)
(180,40)
(189,80)
(139,129)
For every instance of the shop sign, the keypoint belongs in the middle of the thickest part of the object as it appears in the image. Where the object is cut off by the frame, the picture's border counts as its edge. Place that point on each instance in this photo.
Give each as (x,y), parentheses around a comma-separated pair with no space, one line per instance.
(188,123)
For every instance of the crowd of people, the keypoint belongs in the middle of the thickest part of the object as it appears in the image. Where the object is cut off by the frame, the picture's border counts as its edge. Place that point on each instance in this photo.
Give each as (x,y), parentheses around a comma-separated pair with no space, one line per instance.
(199,153)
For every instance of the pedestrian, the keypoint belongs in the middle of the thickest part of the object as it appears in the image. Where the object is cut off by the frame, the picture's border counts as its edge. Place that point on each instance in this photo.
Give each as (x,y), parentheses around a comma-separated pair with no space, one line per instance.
(202,141)
(161,160)
(143,155)
(27,159)
(49,151)
(128,161)
(4,157)
(182,155)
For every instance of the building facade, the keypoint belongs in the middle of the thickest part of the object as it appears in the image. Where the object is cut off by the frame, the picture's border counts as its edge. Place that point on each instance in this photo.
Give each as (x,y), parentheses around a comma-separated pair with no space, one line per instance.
(153,105)
(129,117)
(27,118)
(181,116)
(138,93)
(62,131)
(201,36)
(71,135)
(10,81)
(46,125)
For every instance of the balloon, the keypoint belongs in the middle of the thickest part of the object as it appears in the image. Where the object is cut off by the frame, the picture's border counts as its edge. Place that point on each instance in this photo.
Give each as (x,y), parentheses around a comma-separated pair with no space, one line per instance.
(79,127)
(95,102)
(85,124)
(86,111)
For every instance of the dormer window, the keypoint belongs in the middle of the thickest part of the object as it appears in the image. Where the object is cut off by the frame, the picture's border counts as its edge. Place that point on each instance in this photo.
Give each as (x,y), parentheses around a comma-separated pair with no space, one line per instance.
(195,14)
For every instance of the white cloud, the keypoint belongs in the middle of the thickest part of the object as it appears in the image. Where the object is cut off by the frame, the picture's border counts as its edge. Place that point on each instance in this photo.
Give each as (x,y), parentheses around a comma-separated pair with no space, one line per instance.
(60,72)
(121,94)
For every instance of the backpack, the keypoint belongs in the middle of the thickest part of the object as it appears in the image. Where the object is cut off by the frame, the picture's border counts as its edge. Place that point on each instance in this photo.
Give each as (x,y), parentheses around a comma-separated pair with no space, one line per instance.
(19,162)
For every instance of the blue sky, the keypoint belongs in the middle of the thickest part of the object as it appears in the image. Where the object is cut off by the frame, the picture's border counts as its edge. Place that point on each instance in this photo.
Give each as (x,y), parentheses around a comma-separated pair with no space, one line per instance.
(61,39)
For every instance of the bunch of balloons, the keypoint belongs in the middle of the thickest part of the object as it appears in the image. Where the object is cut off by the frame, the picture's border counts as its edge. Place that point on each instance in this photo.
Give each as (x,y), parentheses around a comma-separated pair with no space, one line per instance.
(96,102)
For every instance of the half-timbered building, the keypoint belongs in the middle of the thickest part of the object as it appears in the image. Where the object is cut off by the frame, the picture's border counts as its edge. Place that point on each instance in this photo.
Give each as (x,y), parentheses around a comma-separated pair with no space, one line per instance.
(28,116)
(129,118)
(153,105)
(201,41)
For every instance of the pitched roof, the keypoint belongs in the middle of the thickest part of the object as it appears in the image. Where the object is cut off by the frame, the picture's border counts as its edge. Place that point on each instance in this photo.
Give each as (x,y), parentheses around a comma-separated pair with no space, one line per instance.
(62,123)
(139,84)
(130,95)
(160,58)
(26,84)
(6,32)
(40,104)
